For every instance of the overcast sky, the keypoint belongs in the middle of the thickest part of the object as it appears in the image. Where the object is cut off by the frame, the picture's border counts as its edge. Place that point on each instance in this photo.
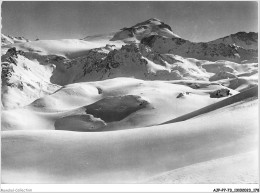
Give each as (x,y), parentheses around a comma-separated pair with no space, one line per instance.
(195,21)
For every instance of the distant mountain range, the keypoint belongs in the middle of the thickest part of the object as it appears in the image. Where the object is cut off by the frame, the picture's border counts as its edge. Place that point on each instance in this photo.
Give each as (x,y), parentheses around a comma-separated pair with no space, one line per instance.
(148,50)
(5,40)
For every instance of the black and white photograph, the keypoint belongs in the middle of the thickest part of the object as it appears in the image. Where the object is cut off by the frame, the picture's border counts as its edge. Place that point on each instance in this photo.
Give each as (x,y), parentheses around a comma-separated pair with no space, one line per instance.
(129,93)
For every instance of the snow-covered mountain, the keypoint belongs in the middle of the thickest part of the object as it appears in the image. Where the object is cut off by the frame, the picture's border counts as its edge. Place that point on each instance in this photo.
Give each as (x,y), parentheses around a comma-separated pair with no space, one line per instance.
(148,50)
(144,29)
(240,39)
(211,51)
(24,79)
(5,40)
(141,103)
(133,60)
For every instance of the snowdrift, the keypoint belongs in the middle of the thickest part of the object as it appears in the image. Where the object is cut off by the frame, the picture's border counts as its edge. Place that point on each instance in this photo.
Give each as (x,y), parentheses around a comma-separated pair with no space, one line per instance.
(120,103)
(129,156)
(253,92)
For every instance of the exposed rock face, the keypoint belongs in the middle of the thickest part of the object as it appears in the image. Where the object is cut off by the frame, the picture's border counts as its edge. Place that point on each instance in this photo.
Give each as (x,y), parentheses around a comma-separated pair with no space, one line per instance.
(103,64)
(183,94)
(8,62)
(7,71)
(13,53)
(131,60)
(240,39)
(211,51)
(220,93)
(144,29)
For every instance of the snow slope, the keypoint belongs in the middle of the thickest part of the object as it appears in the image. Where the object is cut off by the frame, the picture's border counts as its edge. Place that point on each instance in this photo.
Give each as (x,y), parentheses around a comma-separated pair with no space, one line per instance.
(29,75)
(253,92)
(24,80)
(140,105)
(70,48)
(240,169)
(130,156)
(160,103)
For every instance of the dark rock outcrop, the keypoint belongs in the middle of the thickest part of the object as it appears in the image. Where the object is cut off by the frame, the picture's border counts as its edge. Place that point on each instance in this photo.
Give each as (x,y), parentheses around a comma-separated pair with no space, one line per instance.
(116,108)
(220,93)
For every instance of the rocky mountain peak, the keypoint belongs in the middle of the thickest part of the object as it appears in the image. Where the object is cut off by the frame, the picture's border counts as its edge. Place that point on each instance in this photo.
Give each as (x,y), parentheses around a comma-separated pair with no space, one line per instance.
(241,39)
(244,36)
(6,40)
(143,29)
(154,19)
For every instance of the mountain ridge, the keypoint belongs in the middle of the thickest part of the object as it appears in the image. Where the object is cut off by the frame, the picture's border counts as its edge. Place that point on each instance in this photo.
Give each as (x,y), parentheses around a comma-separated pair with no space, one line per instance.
(148,55)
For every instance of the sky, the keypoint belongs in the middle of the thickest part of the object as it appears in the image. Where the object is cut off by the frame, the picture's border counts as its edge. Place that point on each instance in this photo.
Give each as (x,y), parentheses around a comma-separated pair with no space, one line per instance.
(194,20)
